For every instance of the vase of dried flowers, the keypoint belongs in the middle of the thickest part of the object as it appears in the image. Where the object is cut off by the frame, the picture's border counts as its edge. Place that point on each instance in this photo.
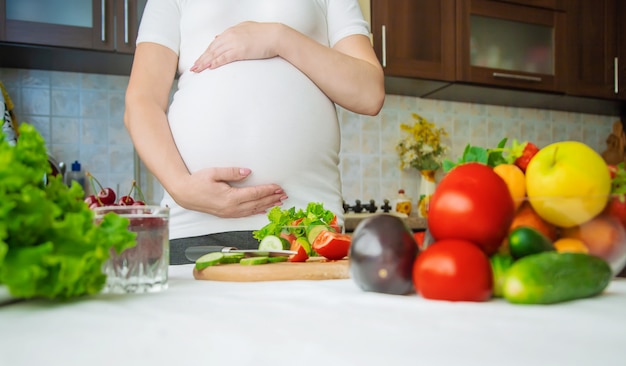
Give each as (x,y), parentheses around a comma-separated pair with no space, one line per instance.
(422,149)
(427,188)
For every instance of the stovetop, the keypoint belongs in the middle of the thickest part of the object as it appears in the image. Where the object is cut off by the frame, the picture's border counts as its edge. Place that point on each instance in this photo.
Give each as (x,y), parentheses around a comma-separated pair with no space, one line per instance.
(361,210)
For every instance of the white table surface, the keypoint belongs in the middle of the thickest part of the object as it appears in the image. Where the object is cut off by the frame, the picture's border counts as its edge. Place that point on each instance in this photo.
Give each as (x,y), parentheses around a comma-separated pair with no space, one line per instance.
(309,323)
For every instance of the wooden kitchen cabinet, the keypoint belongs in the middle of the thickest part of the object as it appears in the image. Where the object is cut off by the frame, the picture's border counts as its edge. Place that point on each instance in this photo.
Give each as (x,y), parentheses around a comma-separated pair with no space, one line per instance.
(414,38)
(597,48)
(481,42)
(510,45)
(109,25)
(128,14)
(621,52)
(548,4)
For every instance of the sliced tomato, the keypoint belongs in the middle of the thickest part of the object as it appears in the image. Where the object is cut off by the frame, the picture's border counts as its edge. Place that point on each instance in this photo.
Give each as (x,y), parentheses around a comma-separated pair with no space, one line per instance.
(333,224)
(301,255)
(332,245)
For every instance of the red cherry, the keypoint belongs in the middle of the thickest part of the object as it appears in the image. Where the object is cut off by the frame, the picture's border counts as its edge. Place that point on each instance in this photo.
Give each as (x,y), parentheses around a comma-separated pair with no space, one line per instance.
(139,203)
(107,196)
(126,201)
(91,199)
(94,205)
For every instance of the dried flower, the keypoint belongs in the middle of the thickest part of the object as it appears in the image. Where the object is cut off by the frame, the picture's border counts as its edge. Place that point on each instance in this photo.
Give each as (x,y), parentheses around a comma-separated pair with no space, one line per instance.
(421,148)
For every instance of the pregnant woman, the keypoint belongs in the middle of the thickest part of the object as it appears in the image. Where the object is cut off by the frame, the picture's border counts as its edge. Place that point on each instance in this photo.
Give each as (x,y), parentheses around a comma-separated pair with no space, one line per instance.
(253,121)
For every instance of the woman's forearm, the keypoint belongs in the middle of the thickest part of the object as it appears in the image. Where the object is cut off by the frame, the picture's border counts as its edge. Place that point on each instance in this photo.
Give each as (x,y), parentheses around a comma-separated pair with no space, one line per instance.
(145,117)
(349,74)
(154,143)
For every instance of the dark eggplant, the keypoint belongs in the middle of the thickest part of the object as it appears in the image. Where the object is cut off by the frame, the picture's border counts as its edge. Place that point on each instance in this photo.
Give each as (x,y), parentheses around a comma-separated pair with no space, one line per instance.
(382,254)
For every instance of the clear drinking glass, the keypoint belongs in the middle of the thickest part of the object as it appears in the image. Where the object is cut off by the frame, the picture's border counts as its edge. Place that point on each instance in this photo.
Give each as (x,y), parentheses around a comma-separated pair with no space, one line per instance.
(142,268)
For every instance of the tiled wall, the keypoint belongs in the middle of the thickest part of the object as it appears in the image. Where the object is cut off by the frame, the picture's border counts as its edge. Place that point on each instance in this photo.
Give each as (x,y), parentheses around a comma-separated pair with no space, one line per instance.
(81,118)
(370,166)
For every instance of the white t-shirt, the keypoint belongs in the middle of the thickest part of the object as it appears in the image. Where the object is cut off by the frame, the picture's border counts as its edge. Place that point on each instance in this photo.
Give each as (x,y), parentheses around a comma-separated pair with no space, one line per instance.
(265,115)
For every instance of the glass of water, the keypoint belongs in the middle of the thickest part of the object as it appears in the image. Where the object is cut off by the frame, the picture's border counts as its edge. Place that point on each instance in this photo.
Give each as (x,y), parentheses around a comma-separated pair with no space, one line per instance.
(142,268)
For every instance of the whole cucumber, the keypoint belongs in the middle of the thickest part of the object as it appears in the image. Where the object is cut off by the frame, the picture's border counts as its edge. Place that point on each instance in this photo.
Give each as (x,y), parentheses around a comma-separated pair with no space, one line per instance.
(552,277)
(500,264)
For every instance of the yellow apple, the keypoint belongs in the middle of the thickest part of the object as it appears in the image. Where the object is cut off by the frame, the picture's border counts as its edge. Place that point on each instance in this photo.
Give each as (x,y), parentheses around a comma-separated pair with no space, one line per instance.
(567,183)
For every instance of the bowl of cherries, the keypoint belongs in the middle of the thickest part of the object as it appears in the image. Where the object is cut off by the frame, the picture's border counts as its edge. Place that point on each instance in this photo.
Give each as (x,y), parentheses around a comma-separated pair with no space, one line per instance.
(106,196)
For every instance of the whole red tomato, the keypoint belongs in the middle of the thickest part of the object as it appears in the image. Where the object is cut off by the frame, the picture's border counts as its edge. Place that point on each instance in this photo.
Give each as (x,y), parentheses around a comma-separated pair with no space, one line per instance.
(617,208)
(472,203)
(453,270)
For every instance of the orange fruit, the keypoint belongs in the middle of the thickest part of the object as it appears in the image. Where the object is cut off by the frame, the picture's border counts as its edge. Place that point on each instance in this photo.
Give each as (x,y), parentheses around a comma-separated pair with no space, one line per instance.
(515,179)
(570,245)
(526,216)
(603,236)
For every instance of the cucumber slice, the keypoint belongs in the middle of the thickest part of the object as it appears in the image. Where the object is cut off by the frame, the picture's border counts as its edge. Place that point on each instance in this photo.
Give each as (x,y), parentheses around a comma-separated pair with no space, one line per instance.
(251,261)
(277,259)
(314,230)
(273,242)
(230,258)
(209,259)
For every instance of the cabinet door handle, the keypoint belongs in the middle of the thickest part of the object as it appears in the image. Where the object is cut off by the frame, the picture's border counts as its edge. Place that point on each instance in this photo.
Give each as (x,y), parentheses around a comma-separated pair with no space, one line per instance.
(384,45)
(103,18)
(616,74)
(503,75)
(126,21)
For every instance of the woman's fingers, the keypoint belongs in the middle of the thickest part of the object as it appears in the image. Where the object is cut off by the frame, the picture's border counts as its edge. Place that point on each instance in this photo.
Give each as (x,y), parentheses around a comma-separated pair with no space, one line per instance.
(244,41)
(209,190)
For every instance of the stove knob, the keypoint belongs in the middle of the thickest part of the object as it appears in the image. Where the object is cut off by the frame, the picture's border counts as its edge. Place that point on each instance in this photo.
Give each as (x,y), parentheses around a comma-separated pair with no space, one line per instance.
(386,207)
(358,207)
(371,208)
(346,207)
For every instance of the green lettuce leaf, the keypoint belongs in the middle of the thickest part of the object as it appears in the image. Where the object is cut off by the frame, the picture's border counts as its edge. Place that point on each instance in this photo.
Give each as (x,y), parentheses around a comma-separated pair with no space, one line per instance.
(50,246)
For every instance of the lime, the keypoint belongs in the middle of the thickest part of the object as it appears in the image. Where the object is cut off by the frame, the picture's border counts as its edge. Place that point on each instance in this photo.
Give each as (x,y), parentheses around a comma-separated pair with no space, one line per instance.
(525,240)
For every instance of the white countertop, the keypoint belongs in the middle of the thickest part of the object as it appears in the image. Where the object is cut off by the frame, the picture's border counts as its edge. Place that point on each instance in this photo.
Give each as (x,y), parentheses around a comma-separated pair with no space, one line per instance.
(308,323)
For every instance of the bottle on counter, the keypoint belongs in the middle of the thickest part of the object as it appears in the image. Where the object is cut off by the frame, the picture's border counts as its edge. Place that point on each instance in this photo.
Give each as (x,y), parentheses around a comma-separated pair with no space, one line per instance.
(76,174)
(403,203)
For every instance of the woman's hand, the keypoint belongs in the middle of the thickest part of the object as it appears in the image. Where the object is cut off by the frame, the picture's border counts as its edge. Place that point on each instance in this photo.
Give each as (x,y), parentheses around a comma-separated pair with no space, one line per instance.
(244,41)
(208,190)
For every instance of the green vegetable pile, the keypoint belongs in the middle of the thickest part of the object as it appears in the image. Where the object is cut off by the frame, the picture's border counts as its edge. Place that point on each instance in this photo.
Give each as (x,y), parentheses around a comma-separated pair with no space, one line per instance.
(501,154)
(315,213)
(50,246)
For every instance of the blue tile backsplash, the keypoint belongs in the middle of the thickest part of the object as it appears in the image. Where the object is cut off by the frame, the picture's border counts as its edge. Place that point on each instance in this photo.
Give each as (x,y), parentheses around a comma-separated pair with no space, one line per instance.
(81,118)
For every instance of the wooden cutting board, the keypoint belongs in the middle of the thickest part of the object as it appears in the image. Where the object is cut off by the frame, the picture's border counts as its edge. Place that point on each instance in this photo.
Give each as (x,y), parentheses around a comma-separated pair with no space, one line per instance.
(316,268)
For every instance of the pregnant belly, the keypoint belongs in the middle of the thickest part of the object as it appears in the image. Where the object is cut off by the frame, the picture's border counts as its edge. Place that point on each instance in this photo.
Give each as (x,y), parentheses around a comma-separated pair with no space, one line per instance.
(264,115)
